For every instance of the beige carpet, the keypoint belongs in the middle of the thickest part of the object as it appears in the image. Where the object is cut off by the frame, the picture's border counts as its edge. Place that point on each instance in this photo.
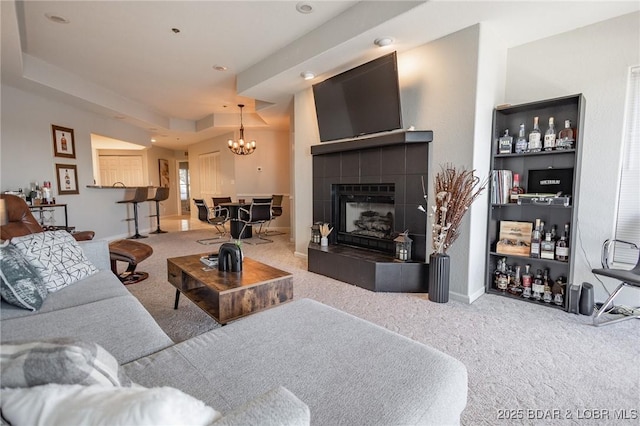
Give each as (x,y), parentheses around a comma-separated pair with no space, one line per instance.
(524,361)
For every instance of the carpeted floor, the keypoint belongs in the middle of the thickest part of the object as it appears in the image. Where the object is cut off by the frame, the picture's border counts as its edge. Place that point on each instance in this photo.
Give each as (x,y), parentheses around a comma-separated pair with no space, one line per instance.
(527,364)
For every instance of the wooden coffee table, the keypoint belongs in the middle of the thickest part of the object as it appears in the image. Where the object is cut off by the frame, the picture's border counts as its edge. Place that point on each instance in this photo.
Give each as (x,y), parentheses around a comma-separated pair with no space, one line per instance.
(227,296)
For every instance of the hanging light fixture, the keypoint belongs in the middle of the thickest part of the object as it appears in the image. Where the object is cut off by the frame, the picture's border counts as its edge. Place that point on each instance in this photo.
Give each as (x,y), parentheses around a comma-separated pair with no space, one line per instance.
(241,147)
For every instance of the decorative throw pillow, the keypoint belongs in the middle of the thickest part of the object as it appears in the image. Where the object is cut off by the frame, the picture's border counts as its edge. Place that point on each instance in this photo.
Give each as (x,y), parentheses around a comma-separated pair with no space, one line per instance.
(62,361)
(57,257)
(99,405)
(21,284)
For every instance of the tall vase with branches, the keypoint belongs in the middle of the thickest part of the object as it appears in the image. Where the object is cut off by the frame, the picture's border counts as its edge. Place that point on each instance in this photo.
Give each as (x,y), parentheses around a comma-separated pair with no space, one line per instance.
(455,190)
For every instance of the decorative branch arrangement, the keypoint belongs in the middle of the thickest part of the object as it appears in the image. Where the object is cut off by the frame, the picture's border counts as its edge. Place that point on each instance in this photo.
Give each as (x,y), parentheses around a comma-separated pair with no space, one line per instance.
(454,190)
(325,230)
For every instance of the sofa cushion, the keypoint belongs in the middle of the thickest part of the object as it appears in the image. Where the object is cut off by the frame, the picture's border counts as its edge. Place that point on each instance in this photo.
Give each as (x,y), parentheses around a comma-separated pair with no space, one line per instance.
(98,405)
(347,370)
(102,285)
(61,361)
(57,257)
(121,325)
(21,284)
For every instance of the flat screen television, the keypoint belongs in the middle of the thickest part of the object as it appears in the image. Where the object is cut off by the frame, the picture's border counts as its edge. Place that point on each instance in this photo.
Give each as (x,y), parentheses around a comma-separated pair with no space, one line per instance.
(360,101)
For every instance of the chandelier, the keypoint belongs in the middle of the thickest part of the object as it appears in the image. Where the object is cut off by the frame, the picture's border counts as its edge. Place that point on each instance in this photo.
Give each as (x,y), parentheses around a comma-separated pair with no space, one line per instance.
(240,147)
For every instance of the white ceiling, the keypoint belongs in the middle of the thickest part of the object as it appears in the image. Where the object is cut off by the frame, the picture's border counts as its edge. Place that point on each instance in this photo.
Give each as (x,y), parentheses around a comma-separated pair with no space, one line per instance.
(122,59)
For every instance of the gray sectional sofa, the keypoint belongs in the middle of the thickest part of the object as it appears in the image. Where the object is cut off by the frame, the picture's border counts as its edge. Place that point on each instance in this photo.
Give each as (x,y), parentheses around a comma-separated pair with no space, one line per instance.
(301,362)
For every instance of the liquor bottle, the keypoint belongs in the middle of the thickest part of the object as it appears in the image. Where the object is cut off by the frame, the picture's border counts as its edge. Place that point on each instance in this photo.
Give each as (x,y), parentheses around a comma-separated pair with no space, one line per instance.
(521,142)
(515,287)
(548,247)
(554,233)
(502,279)
(566,137)
(537,286)
(562,246)
(535,241)
(526,282)
(550,136)
(535,142)
(546,282)
(558,290)
(505,143)
(63,143)
(516,190)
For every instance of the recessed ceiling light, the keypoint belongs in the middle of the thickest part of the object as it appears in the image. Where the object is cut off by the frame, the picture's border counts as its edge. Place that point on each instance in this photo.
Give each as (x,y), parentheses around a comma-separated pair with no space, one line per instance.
(153,139)
(56,18)
(304,7)
(307,75)
(383,41)
(220,68)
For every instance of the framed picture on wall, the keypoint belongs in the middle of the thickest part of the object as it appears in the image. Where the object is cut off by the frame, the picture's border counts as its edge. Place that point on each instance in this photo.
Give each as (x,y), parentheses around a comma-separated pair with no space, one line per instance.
(163,167)
(64,144)
(67,175)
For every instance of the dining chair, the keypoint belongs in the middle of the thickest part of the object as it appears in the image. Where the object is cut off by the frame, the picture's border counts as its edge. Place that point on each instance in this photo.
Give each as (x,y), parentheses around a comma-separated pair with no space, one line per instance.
(258,213)
(276,211)
(214,217)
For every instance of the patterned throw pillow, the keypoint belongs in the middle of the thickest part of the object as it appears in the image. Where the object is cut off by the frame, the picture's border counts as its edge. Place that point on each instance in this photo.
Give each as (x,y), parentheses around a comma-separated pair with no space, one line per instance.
(57,257)
(61,361)
(21,285)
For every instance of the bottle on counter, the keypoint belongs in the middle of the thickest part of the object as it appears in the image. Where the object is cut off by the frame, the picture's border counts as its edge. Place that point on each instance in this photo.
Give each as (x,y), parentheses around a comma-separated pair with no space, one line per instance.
(550,136)
(535,137)
(521,142)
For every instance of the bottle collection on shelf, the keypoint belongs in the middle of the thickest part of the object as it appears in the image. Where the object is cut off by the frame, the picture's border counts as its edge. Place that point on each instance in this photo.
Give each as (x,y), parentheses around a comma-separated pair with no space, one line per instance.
(539,286)
(547,245)
(536,142)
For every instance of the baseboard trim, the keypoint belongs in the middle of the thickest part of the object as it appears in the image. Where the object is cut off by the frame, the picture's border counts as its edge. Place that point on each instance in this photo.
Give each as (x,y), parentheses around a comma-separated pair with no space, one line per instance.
(465,298)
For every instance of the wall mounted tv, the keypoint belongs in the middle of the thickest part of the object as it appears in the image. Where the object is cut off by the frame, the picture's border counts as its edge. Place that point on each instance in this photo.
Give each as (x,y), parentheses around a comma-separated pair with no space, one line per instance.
(360,101)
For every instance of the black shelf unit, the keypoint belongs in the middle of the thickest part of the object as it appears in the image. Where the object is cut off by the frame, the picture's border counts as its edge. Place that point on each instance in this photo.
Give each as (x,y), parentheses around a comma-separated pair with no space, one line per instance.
(509,117)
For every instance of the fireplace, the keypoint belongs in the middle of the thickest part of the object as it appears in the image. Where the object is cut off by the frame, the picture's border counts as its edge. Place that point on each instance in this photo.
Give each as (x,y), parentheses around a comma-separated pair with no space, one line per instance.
(368,190)
(364,215)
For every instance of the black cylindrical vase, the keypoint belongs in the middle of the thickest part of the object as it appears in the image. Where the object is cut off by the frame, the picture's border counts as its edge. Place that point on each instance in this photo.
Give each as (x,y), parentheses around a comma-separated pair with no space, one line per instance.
(439,265)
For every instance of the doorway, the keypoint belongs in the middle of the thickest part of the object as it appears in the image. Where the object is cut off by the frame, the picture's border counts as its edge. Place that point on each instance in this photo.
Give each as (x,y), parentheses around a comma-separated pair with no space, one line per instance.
(185,190)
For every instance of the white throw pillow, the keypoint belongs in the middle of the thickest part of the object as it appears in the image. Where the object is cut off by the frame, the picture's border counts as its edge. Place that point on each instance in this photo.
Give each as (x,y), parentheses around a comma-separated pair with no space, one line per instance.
(57,257)
(99,405)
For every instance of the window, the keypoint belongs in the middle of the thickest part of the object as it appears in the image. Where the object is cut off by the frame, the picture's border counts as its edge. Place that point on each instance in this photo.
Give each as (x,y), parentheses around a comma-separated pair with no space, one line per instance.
(209,166)
(628,220)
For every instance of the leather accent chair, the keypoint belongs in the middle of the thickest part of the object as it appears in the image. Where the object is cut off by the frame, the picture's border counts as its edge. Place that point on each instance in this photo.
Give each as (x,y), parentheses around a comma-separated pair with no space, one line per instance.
(22,222)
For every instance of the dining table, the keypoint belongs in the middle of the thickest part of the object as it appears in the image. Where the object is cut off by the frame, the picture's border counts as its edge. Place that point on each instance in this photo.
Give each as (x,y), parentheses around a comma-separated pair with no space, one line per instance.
(236,224)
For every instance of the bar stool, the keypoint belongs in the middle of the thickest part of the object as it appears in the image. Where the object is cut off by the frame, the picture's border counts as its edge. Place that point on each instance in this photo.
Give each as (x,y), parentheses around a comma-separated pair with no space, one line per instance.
(140,196)
(161,195)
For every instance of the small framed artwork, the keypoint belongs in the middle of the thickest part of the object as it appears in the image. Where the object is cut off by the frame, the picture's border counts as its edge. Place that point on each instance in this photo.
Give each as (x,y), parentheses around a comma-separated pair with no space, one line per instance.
(163,167)
(67,179)
(64,144)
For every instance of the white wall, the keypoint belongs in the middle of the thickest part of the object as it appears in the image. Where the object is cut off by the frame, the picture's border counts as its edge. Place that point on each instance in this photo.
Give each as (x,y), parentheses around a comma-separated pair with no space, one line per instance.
(26,155)
(305,134)
(594,61)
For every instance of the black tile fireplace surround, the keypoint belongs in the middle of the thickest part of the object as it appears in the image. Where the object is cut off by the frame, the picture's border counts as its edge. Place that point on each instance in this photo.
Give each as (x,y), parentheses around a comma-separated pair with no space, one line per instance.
(395,160)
